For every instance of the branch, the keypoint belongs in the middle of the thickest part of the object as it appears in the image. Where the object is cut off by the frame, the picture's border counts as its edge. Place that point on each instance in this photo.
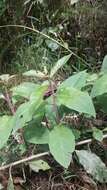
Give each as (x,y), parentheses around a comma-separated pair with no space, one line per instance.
(88,141)
(30,158)
(24,160)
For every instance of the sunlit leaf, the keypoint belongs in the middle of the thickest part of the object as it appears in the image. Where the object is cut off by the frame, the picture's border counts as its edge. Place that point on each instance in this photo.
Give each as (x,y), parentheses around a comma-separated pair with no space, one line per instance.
(77,81)
(92,78)
(76,100)
(97,134)
(34,73)
(25,89)
(4,77)
(62,144)
(93,165)
(100,86)
(25,111)
(61,62)
(24,114)
(38,94)
(37,165)
(73,1)
(5,129)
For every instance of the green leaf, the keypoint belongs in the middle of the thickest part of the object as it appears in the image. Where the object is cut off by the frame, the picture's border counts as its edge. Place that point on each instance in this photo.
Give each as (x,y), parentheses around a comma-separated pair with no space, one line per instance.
(10,184)
(5,129)
(92,78)
(93,165)
(76,100)
(49,108)
(76,133)
(59,64)
(77,81)
(24,114)
(39,165)
(25,89)
(97,134)
(36,133)
(38,94)
(102,102)
(100,86)
(34,73)
(62,144)
(104,65)
(26,111)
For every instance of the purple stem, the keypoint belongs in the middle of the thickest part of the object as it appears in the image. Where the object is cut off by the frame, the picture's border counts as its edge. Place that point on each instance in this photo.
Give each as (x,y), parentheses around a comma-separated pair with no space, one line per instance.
(9,102)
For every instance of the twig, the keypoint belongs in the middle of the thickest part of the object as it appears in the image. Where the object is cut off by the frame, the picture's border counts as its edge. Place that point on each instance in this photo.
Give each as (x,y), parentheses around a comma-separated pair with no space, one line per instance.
(42,154)
(24,160)
(55,109)
(88,141)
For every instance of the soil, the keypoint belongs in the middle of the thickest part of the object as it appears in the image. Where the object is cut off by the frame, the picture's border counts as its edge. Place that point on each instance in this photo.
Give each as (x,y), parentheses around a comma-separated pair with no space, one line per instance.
(24,179)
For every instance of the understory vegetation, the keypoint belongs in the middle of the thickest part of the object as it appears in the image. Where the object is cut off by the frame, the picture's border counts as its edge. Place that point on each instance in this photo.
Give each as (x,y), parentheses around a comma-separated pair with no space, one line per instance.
(53,94)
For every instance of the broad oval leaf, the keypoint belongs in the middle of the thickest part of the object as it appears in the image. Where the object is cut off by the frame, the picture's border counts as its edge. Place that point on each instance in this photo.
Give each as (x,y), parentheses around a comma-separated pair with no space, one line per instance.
(59,64)
(77,81)
(93,165)
(24,114)
(36,134)
(76,100)
(62,144)
(5,129)
(25,111)
(104,65)
(25,89)
(100,86)
(38,94)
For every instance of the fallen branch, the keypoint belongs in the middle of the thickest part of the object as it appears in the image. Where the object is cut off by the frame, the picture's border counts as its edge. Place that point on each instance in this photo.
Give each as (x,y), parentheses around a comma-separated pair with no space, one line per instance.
(23,160)
(88,141)
(41,155)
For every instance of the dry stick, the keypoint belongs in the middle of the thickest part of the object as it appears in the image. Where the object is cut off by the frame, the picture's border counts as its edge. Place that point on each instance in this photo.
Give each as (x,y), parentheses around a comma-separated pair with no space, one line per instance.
(24,160)
(30,158)
(88,141)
